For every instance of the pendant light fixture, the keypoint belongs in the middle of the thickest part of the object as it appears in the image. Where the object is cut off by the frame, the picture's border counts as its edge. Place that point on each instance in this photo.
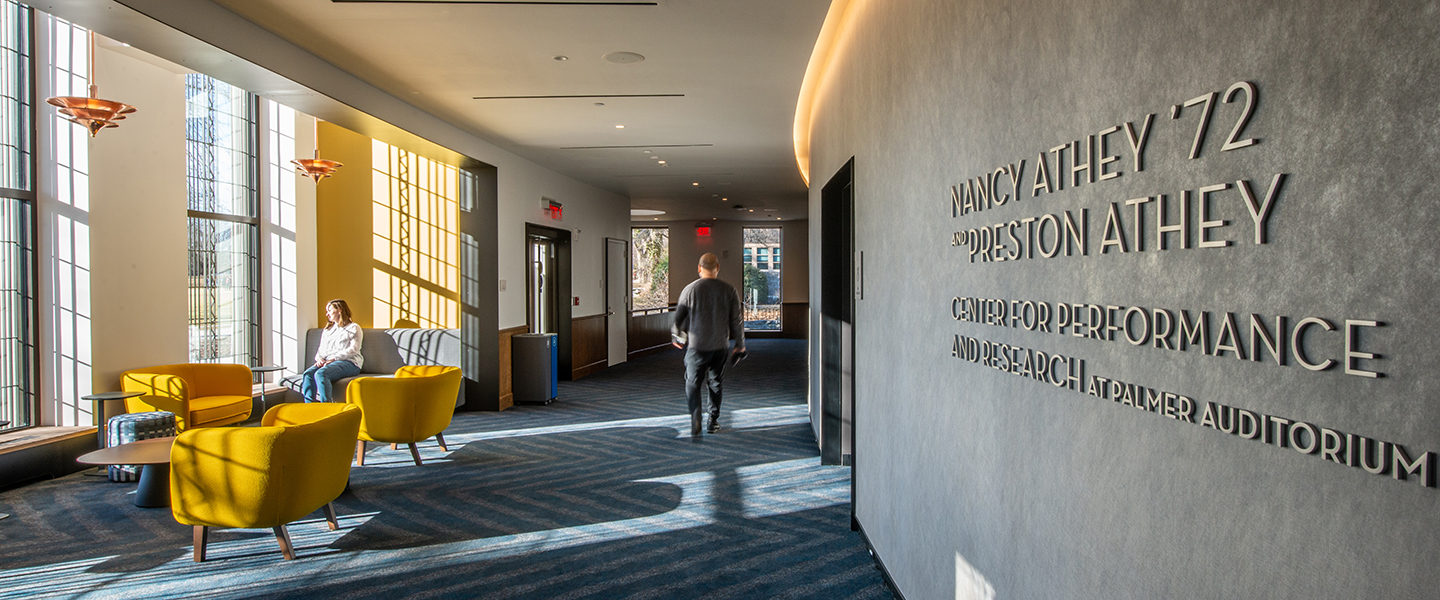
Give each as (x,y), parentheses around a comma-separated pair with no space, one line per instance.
(91,112)
(316,168)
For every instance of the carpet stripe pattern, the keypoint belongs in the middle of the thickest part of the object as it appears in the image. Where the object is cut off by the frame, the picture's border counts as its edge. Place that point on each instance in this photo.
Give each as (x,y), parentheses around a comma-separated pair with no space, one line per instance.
(602,494)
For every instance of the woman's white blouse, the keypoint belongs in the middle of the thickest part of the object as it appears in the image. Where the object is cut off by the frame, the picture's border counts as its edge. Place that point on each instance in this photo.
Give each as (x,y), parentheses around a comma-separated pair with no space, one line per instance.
(341,342)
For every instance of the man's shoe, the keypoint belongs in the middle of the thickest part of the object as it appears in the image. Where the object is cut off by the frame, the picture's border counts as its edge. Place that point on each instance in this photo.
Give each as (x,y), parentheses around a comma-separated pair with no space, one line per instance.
(714,426)
(695,426)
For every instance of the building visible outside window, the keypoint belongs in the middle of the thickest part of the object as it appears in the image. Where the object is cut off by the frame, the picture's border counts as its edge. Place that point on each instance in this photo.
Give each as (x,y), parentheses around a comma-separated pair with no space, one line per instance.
(17,208)
(650,261)
(761,295)
(222,181)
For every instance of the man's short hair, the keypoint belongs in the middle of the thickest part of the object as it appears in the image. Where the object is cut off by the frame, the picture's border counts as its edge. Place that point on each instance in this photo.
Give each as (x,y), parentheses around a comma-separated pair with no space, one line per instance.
(709,262)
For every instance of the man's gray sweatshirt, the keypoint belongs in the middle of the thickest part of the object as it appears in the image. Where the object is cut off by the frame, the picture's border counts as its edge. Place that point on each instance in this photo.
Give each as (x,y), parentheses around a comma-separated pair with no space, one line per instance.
(709,311)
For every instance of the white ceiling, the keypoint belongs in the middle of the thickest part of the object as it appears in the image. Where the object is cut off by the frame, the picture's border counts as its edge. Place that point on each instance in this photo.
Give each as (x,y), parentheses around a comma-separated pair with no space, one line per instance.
(738,63)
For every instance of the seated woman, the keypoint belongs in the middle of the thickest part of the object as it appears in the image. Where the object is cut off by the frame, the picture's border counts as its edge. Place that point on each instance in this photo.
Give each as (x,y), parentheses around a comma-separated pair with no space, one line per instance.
(338,356)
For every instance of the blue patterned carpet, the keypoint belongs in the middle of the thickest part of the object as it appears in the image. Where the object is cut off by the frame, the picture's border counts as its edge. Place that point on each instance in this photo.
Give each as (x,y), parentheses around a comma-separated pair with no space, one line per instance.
(602,494)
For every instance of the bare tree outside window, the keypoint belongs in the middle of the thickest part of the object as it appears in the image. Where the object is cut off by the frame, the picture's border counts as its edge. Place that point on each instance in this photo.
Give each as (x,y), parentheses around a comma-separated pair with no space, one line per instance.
(650,247)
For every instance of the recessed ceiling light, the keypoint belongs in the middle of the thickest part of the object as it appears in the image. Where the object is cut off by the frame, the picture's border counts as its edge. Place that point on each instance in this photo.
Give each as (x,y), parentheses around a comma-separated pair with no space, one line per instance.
(662,162)
(561,57)
(752,210)
(645,212)
(624,58)
(696,183)
(619,126)
(724,199)
(656,219)
(645,151)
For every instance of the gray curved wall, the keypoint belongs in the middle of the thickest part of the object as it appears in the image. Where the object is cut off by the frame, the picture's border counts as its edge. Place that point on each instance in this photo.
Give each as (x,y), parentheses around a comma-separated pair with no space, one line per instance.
(968,476)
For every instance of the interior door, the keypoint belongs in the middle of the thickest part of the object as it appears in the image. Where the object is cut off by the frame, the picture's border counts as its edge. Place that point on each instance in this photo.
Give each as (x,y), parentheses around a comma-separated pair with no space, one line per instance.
(618,285)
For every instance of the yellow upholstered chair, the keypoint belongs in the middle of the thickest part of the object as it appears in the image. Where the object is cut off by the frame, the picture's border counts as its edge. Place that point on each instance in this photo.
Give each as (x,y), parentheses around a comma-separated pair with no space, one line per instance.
(412,406)
(200,395)
(297,461)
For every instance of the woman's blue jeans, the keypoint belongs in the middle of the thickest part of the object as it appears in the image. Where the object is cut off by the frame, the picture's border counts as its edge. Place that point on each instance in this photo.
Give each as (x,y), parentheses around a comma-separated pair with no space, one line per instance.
(315,382)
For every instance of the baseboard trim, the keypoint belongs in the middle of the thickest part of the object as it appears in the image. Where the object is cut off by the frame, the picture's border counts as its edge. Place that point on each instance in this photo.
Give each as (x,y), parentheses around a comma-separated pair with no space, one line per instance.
(879,563)
(647,351)
(589,369)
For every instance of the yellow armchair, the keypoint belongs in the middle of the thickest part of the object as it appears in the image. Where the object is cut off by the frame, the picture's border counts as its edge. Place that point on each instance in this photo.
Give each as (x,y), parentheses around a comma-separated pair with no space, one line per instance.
(200,395)
(412,406)
(297,461)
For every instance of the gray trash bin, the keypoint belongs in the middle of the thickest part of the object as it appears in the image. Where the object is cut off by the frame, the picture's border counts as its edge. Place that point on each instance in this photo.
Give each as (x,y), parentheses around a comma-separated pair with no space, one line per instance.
(535,367)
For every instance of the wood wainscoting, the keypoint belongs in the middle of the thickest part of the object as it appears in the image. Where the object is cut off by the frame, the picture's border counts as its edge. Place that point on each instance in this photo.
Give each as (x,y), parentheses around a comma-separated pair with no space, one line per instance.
(794,322)
(649,331)
(588,346)
(507,376)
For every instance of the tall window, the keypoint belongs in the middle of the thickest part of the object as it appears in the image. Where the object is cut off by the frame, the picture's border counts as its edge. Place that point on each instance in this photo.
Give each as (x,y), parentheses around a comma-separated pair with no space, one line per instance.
(283,311)
(69,257)
(650,259)
(221,173)
(17,199)
(761,295)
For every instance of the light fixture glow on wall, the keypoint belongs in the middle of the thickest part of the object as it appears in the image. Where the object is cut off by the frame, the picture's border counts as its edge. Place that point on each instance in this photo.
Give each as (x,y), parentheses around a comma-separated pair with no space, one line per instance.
(91,112)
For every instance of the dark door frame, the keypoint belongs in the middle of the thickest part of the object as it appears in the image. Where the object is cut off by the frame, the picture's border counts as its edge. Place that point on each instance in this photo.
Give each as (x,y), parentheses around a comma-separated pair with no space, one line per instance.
(837,318)
(561,238)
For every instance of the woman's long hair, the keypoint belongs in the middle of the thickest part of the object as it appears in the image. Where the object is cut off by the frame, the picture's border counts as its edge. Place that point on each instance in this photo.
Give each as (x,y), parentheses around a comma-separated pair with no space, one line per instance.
(344,312)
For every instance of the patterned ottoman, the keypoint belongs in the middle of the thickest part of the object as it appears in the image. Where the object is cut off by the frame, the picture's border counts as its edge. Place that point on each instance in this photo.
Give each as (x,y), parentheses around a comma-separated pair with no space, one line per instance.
(131,427)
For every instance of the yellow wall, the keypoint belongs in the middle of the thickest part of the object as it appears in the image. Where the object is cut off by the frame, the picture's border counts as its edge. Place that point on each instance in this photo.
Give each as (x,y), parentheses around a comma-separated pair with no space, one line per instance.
(363,255)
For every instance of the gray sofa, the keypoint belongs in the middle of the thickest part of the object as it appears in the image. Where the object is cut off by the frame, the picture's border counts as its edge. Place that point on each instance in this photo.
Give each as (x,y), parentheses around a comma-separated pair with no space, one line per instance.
(385,351)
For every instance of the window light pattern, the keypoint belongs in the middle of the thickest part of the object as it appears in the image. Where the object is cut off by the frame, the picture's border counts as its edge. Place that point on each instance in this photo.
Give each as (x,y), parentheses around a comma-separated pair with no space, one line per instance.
(416,274)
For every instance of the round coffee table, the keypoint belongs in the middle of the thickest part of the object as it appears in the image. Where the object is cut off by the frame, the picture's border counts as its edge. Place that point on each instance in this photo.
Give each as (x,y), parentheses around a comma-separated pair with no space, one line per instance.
(153,456)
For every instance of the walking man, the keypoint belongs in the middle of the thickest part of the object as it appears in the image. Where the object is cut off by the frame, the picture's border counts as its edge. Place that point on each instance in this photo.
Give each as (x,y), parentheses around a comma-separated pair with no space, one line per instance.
(707,319)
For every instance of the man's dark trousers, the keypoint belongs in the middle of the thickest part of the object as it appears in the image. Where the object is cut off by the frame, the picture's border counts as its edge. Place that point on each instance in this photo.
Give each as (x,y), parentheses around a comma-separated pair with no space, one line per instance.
(709,364)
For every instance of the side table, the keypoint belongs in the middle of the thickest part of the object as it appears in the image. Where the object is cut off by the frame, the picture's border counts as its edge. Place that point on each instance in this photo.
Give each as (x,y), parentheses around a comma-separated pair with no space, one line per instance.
(154,457)
(99,400)
(262,371)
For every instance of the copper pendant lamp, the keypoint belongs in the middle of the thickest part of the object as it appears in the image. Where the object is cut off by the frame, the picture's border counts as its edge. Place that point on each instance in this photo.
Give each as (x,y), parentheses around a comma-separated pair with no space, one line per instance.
(91,112)
(316,168)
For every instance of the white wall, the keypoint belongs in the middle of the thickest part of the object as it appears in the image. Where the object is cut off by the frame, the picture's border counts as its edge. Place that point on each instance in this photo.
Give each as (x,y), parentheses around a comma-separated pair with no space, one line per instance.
(138,223)
(589,213)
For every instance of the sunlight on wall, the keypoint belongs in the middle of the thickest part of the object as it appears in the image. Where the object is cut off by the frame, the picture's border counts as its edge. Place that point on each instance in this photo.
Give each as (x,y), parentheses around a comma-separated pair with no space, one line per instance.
(70,234)
(417,266)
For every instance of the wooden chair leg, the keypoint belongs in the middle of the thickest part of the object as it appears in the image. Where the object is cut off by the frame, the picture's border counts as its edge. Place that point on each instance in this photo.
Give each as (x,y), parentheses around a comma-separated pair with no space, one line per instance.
(440,439)
(286,548)
(202,535)
(330,516)
(394,446)
(415,453)
(360,452)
